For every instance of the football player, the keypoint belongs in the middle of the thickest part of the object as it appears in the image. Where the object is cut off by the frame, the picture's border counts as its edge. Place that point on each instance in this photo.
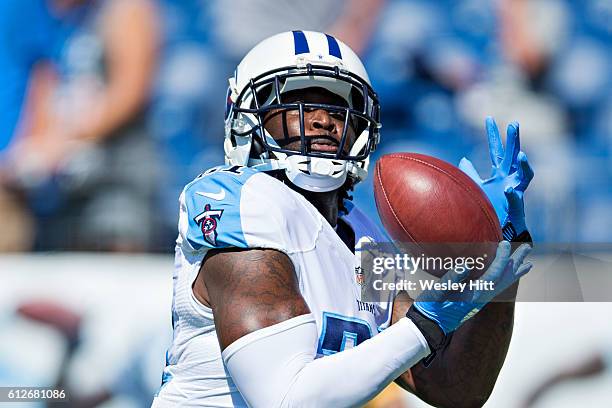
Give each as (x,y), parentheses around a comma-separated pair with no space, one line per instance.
(266,310)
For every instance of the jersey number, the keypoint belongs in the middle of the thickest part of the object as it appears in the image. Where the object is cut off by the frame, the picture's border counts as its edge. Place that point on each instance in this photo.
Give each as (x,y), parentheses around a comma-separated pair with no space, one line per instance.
(341,332)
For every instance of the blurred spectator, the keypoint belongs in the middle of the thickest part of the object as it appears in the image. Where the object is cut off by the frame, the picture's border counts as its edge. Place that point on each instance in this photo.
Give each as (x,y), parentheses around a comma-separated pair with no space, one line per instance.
(351,20)
(84,157)
(20,50)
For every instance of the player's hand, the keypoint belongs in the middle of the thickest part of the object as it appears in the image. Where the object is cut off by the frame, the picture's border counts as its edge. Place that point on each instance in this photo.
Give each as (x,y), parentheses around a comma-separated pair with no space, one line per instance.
(510,177)
(450,309)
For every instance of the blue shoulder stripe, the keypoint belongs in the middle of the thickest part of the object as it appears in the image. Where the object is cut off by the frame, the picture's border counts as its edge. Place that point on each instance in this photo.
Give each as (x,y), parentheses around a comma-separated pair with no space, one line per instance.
(213,208)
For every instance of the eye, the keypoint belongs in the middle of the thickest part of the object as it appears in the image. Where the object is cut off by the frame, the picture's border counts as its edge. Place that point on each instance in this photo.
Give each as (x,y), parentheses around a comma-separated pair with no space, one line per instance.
(337,115)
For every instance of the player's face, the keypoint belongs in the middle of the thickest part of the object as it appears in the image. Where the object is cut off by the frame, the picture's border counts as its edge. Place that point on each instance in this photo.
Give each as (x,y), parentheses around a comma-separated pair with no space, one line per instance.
(322,129)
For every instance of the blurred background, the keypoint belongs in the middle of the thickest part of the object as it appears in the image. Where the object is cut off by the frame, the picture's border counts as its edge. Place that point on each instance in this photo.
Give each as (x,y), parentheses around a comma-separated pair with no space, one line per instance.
(109,107)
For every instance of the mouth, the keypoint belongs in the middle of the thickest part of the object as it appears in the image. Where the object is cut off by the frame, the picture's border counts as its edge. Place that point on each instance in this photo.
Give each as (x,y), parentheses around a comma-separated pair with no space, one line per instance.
(323,144)
(324,148)
(318,144)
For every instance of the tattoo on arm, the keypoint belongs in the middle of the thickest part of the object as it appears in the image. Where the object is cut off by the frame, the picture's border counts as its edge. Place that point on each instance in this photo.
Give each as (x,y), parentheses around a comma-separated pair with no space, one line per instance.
(248,290)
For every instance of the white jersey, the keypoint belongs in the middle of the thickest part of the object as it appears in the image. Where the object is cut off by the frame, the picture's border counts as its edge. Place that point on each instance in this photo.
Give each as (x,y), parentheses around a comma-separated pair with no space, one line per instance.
(241,207)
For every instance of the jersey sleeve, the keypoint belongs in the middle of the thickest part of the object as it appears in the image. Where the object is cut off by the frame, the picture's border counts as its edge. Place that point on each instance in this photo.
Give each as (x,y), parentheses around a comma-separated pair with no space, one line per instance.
(244,208)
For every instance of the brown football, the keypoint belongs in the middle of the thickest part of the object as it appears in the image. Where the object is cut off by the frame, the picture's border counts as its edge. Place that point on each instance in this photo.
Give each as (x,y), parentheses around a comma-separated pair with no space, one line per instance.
(434,208)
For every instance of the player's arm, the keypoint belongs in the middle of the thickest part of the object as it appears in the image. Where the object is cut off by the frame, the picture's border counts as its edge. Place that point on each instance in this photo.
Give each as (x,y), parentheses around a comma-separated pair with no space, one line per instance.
(269,338)
(464,373)
(248,290)
(473,338)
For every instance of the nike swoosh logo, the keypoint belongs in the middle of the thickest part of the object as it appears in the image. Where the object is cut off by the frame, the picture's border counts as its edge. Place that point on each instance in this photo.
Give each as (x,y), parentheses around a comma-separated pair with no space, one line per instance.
(215,196)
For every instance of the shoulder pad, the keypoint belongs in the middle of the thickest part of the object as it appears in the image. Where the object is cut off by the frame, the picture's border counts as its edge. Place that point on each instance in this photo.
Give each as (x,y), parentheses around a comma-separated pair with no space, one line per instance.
(245,208)
(210,209)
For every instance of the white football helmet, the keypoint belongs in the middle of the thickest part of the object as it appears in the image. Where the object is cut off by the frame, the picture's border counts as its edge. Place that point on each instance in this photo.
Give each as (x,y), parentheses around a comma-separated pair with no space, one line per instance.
(298,60)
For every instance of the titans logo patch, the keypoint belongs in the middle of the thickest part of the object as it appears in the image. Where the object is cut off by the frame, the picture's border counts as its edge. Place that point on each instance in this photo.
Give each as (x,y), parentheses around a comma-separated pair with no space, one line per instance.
(207,221)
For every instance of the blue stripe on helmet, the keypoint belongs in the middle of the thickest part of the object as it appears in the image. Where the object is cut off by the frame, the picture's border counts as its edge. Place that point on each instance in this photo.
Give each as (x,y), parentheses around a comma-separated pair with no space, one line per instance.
(334,48)
(300,43)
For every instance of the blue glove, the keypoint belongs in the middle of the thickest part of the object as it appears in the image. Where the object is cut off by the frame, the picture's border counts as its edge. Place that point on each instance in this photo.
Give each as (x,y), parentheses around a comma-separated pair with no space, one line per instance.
(451,309)
(510,176)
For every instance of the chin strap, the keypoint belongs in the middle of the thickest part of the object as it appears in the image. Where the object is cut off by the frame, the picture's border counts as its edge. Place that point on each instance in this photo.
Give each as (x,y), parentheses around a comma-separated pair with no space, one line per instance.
(316,174)
(311,173)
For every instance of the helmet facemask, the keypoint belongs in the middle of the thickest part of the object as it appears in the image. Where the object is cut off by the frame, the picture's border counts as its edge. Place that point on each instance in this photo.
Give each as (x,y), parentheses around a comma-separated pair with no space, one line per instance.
(309,169)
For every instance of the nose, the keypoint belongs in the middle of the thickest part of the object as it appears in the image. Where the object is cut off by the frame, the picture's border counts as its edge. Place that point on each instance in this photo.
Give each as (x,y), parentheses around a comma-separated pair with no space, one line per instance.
(320,119)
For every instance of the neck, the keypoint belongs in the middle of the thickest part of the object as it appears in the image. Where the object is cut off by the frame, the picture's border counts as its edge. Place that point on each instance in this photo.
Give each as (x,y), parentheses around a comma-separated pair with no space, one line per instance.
(326,203)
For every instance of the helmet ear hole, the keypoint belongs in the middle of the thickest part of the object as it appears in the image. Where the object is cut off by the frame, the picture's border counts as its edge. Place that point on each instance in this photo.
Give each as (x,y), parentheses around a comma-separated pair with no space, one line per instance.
(257,147)
(357,99)
(262,96)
